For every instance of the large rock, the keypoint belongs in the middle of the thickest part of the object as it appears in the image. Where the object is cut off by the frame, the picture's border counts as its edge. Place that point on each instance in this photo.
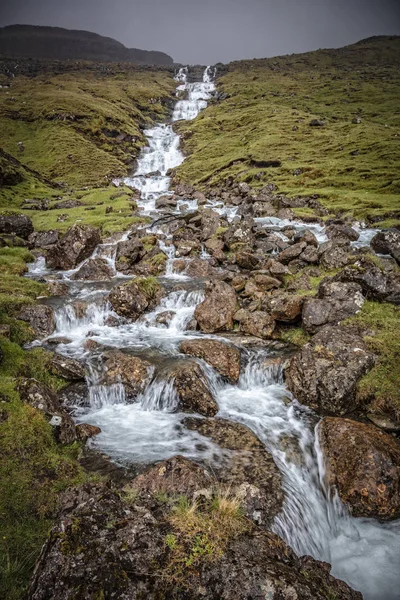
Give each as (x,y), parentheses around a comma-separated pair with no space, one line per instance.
(257,323)
(135,297)
(341,231)
(292,252)
(44,239)
(374,281)
(19,225)
(325,372)
(176,476)
(363,464)
(106,545)
(42,398)
(198,268)
(387,242)
(337,301)
(334,254)
(94,269)
(67,368)
(192,391)
(250,471)
(40,317)
(223,357)
(132,371)
(76,245)
(216,312)
(283,307)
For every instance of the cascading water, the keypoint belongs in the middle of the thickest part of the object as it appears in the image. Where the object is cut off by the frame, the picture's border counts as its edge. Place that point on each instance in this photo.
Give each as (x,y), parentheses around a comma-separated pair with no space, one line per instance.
(362,552)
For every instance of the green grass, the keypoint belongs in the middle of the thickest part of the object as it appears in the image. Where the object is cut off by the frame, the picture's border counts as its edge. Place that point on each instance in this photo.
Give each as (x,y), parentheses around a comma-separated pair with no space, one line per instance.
(267,99)
(380,388)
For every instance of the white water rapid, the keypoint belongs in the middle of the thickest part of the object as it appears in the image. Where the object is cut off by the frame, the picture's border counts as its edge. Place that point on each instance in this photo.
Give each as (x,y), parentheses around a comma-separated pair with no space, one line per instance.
(362,552)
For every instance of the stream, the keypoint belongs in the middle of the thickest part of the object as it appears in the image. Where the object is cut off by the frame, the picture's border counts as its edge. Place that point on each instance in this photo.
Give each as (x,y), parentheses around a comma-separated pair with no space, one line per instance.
(363,552)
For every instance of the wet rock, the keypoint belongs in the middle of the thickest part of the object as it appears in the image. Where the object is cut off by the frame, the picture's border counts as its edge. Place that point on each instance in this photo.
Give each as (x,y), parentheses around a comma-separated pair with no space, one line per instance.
(166,202)
(40,317)
(104,545)
(43,239)
(342,232)
(67,368)
(131,371)
(257,323)
(186,247)
(75,395)
(223,357)
(57,288)
(363,464)
(76,245)
(128,254)
(84,431)
(192,389)
(250,471)
(283,307)
(292,252)
(42,398)
(176,476)
(387,242)
(216,312)
(337,301)
(134,298)
(94,269)
(165,317)
(19,225)
(325,372)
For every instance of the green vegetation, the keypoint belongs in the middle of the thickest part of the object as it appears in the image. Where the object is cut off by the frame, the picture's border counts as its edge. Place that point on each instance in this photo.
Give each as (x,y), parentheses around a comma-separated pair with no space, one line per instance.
(269,103)
(380,388)
(148,285)
(201,533)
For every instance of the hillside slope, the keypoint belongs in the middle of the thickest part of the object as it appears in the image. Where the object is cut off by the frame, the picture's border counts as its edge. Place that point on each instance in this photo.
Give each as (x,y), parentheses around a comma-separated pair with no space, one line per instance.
(263,113)
(67,44)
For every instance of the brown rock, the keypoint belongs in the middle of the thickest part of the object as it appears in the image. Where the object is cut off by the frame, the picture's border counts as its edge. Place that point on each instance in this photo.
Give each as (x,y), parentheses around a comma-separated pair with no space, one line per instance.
(132,299)
(131,371)
(40,317)
(94,269)
(363,463)
(216,312)
(257,323)
(223,357)
(84,431)
(75,245)
(192,390)
(176,476)
(284,307)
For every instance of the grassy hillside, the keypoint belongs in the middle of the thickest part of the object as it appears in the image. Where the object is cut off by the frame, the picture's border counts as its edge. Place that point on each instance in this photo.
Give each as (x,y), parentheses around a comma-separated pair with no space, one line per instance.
(264,112)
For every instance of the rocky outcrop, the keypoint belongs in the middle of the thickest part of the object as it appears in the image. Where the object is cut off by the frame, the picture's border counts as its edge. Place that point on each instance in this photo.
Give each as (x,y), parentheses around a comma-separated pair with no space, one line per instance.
(134,298)
(76,245)
(363,464)
(257,323)
(42,398)
(192,389)
(325,372)
(40,317)
(387,242)
(19,225)
(105,545)
(94,269)
(132,371)
(223,357)
(216,312)
(250,471)
(337,301)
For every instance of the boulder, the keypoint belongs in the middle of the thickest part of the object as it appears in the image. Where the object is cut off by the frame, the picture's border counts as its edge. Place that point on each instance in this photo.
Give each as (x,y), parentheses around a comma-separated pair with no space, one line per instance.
(42,398)
(374,281)
(43,239)
(19,225)
(325,372)
(74,395)
(257,323)
(76,245)
(250,471)
(334,254)
(283,307)
(363,464)
(210,221)
(176,476)
(216,312)
(107,545)
(94,269)
(247,260)
(192,391)
(292,252)
(67,368)
(240,233)
(166,202)
(129,253)
(277,269)
(187,247)
(387,242)
(40,317)
(341,232)
(135,297)
(265,282)
(198,267)
(57,288)
(84,431)
(132,371)
(337,301)
(223,357)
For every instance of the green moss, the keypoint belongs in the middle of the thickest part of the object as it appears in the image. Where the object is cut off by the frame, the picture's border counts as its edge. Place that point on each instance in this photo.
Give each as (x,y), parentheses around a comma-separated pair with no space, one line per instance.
(380,388)
(354,168)
(294,335)
(148,285)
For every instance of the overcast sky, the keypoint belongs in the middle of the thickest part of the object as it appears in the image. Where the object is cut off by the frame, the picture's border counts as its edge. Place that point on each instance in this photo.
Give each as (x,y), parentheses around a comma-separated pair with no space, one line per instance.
(210,31)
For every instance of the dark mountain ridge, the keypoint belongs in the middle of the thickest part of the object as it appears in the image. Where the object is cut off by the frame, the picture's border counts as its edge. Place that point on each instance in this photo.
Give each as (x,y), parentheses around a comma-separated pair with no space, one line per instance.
(68,44)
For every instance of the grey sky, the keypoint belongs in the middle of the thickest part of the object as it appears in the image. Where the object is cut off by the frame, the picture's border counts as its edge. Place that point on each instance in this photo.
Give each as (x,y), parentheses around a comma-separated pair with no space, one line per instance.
(209,31)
